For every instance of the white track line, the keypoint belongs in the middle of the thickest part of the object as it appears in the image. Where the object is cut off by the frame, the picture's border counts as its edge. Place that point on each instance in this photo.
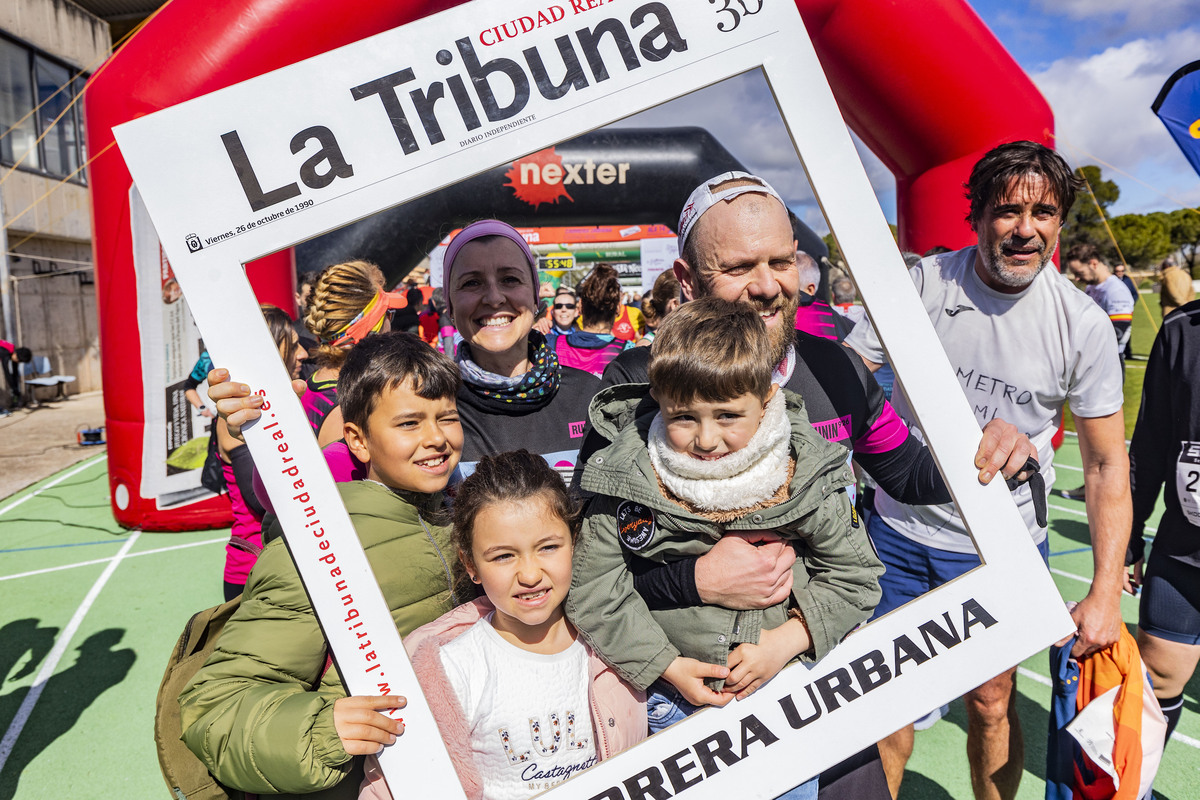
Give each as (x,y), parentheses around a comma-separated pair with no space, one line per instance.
(1033,676)
(54,483)
(1078,513)
(1070,575)
(222,540)
(56,654)
(1066,510)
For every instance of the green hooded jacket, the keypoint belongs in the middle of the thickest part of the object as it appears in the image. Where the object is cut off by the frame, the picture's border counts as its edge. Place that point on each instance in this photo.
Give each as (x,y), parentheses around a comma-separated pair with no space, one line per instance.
(259,713)
(836,576)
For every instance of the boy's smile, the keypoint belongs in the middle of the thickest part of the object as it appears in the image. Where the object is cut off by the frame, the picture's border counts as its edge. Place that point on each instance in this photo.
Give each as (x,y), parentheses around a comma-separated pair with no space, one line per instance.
(412,443)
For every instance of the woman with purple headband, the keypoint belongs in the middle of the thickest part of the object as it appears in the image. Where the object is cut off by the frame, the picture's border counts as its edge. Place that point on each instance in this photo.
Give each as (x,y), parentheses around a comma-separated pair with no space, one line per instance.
(515,393)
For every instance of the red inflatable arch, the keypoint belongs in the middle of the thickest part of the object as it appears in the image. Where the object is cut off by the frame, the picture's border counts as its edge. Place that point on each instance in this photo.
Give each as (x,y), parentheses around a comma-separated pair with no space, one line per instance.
(928,93)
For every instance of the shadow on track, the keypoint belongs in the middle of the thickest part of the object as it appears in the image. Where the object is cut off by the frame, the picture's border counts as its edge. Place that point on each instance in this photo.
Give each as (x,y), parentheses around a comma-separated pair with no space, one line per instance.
(66,695)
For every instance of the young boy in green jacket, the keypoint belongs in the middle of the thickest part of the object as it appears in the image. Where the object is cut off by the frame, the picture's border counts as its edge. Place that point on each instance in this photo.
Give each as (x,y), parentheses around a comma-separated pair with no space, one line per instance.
(264,714)
(726,450)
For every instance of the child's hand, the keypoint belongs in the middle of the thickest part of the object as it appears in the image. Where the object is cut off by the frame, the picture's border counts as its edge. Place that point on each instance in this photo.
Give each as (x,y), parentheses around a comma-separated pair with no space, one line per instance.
(360,726)
(752,665)
(234,402)
(688,676)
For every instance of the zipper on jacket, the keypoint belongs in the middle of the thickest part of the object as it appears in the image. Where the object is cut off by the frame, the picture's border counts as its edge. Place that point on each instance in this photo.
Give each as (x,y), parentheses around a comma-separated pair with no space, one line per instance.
(598,723)
(445,566)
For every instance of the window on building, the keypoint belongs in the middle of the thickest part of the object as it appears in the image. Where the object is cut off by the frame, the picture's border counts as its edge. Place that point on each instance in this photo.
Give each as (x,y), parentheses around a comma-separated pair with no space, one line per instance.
(50,139)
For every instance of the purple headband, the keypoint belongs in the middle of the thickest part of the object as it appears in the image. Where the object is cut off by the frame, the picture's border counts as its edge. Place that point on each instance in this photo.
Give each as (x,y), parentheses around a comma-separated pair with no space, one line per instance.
(477,230)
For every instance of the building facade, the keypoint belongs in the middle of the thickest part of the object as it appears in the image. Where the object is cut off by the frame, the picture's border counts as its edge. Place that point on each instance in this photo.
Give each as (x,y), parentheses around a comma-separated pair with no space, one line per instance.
(47,50)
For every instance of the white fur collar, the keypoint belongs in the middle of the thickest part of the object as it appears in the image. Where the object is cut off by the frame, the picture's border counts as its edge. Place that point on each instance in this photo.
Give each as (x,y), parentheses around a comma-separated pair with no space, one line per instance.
(741,479)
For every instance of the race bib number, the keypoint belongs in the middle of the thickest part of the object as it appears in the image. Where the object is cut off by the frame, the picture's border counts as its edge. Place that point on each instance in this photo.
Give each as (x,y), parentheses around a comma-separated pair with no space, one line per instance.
(1187,481)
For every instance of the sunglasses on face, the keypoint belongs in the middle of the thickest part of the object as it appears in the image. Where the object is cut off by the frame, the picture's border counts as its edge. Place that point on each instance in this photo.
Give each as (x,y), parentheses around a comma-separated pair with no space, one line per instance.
(558,306)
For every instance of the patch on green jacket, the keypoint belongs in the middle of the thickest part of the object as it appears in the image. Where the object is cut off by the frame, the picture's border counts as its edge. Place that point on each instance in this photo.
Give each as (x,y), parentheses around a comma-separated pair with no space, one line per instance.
(635,524)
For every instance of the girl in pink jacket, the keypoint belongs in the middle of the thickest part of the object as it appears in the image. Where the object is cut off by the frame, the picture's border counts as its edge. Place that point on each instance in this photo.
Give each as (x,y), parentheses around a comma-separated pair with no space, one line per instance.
(520,701)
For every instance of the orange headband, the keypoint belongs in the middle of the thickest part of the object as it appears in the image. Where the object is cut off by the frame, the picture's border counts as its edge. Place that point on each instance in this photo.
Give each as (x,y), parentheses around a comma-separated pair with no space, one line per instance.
(369,320)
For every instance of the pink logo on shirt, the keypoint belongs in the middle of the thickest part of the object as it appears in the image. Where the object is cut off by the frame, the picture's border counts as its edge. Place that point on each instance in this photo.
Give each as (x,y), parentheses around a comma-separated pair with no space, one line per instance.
(575,429)
(835,429)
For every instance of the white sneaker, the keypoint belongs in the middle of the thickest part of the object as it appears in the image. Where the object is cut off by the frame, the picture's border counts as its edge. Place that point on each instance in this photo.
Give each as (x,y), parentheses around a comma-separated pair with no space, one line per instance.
(928,721)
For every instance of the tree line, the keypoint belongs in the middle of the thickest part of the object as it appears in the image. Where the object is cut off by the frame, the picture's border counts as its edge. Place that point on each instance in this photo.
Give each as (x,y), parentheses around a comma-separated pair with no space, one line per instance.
(1144,239)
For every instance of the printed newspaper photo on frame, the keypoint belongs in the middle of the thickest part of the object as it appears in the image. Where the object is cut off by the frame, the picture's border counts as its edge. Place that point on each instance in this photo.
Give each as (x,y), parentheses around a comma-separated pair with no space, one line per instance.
(277,160)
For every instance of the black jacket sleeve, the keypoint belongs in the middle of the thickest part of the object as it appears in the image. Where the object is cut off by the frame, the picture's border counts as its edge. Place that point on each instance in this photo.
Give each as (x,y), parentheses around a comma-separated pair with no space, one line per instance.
(243,472)
(1151,446)
(671,585)
(908,473)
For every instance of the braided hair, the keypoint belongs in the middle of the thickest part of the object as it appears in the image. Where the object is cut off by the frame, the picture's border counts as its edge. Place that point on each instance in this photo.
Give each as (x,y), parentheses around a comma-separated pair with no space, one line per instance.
(339,295)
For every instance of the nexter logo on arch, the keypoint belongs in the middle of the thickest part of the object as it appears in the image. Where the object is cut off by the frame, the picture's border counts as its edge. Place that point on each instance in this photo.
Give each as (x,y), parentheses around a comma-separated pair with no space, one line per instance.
(532,172)
(543,177)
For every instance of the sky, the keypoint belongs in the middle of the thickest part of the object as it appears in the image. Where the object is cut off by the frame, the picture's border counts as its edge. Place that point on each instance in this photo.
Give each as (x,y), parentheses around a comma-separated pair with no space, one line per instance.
(1099,64)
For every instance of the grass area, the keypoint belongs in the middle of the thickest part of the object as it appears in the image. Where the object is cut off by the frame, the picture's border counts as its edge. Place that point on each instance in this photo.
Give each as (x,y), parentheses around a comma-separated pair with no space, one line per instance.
(1147,319)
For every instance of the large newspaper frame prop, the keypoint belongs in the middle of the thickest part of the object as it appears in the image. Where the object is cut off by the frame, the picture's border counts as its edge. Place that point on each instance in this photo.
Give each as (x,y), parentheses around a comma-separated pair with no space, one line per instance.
(259,166)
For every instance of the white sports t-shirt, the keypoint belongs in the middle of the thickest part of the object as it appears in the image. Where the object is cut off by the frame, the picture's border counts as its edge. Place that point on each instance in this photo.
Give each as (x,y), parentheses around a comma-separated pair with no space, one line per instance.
(1018,357)
(531,724)
(1114,299)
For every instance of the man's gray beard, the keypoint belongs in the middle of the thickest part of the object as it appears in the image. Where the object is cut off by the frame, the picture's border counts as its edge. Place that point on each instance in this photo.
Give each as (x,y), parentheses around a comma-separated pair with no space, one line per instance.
(1007,276)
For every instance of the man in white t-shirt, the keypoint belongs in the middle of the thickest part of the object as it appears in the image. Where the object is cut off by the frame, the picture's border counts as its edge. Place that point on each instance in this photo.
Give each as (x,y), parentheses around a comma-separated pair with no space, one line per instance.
(1110,293)
(1022,341)
(1100,284)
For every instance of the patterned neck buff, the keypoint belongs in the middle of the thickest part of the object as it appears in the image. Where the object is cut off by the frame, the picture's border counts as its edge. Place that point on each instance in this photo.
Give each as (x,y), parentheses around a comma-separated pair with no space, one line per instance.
(534,387)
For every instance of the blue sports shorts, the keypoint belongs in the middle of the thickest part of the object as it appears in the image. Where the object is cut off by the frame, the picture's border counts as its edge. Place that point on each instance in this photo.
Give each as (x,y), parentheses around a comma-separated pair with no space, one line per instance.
(912,569)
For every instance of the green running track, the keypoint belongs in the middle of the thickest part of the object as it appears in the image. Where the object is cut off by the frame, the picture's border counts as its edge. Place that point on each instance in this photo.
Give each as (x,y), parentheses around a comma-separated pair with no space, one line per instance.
(90,612)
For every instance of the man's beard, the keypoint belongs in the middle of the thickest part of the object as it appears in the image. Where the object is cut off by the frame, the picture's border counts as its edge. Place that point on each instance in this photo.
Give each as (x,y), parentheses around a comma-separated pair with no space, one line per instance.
(1015,277)
(784,333)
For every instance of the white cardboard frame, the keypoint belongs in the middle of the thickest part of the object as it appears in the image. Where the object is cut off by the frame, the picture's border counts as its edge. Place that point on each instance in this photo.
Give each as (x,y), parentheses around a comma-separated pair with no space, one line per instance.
(201,212)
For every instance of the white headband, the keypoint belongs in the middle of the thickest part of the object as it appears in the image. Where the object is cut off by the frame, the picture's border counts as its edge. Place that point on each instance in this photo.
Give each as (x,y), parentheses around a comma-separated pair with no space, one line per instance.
(703,198)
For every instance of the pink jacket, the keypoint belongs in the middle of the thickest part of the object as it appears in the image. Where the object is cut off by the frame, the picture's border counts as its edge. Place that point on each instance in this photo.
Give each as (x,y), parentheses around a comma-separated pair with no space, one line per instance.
(618,710)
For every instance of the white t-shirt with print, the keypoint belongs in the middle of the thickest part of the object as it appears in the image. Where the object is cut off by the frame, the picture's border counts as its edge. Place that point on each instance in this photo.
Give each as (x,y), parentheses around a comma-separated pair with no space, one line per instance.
(1113,297)
(530,721)
(1018,357)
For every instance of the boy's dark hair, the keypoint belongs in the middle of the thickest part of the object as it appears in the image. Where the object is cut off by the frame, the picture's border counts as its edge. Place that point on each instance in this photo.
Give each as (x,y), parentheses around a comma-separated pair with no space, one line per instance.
(512,477)
(713,350)
(1083,251)
(1000,166)
(24,355)
(384,361)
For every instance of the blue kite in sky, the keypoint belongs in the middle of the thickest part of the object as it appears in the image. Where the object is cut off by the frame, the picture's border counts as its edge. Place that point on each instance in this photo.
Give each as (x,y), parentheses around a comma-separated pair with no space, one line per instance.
(1178,106)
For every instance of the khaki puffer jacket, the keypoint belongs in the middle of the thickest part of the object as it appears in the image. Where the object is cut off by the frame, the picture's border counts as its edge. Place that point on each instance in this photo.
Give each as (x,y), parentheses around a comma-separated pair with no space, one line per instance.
(836,576)
(259,713)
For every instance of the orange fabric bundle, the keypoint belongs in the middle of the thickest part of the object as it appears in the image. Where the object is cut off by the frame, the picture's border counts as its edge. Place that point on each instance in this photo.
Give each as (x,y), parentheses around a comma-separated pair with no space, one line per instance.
(1119,665)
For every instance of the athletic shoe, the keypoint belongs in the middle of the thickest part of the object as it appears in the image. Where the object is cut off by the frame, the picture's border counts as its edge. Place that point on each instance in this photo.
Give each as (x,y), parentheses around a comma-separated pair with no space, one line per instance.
(1073,494)
(928,721)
